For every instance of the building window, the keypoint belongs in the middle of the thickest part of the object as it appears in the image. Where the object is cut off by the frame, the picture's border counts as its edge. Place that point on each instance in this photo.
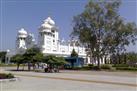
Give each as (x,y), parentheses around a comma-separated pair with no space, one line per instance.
(63,51)
(53,42)
(53,31)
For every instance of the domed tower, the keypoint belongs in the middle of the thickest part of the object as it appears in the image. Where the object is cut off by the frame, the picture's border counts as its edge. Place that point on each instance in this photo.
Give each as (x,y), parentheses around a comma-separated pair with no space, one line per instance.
(21,41)
(48,36)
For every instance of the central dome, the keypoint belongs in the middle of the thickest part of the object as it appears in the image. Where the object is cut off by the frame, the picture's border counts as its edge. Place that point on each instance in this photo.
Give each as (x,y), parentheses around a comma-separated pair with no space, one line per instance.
(22,32)
(49,21)
(47,25)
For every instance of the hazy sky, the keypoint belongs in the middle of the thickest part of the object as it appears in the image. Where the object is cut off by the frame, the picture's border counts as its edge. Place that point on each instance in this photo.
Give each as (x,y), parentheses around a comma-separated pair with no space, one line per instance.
(29,14)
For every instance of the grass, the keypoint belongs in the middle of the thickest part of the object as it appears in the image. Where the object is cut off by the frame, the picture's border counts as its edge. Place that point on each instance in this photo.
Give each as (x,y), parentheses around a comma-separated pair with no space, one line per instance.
(9,65)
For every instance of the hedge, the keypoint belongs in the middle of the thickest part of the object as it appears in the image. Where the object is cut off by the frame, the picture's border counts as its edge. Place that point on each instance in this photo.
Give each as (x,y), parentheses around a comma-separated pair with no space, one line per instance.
(120,65)
(6,76)
(126,68)
(106,66)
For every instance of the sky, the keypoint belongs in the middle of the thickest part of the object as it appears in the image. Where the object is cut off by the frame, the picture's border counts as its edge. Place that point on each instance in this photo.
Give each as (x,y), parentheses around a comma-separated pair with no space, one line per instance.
(29,14)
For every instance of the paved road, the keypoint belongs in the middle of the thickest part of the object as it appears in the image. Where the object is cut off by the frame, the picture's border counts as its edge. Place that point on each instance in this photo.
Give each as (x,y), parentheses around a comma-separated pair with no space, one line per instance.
(71,81)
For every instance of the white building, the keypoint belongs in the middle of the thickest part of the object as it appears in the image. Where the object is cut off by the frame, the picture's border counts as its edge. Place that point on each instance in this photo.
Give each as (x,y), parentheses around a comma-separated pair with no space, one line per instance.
(24,41)
(49,42)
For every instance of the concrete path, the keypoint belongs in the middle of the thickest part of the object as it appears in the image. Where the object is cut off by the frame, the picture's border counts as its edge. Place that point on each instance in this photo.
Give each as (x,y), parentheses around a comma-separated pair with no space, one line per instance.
(72,81)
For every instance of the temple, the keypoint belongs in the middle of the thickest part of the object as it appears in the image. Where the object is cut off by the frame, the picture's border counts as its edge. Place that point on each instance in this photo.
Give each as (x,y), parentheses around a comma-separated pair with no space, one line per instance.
(49,43)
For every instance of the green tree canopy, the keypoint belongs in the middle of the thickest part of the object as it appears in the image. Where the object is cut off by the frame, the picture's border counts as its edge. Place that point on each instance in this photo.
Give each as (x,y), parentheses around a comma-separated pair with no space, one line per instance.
(132,57)
(18,59)
(33,55)
(102,30)
(39,57)
(2,56)
(53,60)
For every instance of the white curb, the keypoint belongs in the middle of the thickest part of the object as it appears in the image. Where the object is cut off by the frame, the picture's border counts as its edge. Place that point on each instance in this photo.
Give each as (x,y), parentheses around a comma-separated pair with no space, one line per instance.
(8,80)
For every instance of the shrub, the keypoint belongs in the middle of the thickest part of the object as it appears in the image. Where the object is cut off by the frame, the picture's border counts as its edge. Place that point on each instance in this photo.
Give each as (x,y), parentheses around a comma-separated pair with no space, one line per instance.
(121,65)
(9,75)
(106,66)
(6,76)
(76,68)
(126,68)
(86,68)
(90,66)
(96,68)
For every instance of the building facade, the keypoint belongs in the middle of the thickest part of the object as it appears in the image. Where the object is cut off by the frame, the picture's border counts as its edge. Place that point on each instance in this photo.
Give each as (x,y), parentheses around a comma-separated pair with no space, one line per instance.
(49,42)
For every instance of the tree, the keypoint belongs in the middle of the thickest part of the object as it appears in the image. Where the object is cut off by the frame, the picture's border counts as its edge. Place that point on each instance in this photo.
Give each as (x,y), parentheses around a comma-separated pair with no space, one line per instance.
(60,61)
(74,53)
(2,56)
(18,59)
(32,56)
(101,29)
(132,58)
(121,38)
(39,57)
(54,62)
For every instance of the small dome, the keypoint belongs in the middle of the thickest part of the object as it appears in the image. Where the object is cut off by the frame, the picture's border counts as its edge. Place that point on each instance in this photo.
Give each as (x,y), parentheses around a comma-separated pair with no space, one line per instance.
(22,31)
(50,21)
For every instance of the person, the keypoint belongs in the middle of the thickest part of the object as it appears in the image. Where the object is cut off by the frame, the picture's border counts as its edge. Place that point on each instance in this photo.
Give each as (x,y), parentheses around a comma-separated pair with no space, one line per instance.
(45,67)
